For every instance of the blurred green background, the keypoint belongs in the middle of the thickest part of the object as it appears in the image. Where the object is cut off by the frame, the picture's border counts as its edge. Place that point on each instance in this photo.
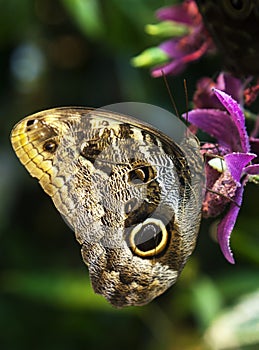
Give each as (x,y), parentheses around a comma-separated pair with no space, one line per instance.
(77,52)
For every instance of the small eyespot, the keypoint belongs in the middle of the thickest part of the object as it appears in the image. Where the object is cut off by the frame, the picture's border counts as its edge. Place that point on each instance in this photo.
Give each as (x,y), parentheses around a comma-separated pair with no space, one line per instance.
(141,174)
(149,239)
(50,146)
(30,122)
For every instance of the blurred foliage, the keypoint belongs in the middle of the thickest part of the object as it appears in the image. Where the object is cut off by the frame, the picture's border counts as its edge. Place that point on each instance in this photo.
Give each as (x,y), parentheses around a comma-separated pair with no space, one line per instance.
(87,16)
(77,52)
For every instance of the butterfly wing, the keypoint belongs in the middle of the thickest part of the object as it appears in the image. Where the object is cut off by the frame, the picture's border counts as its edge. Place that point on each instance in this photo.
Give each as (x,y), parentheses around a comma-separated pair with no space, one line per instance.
(234,26)
(130,193)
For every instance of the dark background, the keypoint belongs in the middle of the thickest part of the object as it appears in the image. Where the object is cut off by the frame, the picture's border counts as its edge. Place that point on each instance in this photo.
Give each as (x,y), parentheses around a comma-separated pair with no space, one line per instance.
(54,54)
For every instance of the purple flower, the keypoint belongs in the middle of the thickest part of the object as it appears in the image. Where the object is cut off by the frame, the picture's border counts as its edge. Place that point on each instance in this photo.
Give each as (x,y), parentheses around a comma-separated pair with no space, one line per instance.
(190,42)
(204,96)
(229,166)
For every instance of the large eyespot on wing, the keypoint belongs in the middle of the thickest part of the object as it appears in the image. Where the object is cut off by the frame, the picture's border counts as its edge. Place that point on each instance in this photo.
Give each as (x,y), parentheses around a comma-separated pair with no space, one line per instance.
(232,9)
(149,239)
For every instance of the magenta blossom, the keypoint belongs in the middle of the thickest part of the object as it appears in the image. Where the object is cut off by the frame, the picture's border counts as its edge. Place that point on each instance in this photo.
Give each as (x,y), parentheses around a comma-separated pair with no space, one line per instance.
(204,96)
(188,48)
(188,45)
(229,167)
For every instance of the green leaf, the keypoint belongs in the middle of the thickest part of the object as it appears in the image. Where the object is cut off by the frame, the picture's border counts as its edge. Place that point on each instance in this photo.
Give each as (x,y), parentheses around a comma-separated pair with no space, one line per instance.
(87,15)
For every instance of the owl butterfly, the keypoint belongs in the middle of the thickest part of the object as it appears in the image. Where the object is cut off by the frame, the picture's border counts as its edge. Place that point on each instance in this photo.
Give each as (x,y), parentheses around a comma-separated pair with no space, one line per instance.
(131,194)
(234,26)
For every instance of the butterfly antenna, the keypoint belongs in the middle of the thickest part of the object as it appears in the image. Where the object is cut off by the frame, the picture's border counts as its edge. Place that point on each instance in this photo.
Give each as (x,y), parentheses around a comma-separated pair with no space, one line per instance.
(170,95)
(186,99)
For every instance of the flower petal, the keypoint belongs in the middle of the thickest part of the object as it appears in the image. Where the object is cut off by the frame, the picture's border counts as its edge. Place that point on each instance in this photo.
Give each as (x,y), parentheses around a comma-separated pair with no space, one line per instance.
(196,54)
(236,163)
(219,195)
(226,225)
(173,13)
(252,169)
(254,144)
(182,13)
(237,116)
(231,85)
(174,67)
(217,124)
(204,96)
(172,48)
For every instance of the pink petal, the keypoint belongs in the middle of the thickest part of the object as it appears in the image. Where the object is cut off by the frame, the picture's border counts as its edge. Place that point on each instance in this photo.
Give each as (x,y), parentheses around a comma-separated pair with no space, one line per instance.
(217,124)
(204,96)
(252,169)
(226,225)
(197,54)
(175,13)
(254,144)
(172,48)
(236,163)
(237,116)
(174,67)
(231,85)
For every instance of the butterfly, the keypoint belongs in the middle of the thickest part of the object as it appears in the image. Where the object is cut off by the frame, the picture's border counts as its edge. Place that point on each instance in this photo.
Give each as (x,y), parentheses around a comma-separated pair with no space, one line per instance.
(234,26)
(131,194)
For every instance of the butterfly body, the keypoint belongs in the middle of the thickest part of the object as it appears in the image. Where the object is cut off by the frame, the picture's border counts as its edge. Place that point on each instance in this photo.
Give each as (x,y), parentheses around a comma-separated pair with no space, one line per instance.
(127,190)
